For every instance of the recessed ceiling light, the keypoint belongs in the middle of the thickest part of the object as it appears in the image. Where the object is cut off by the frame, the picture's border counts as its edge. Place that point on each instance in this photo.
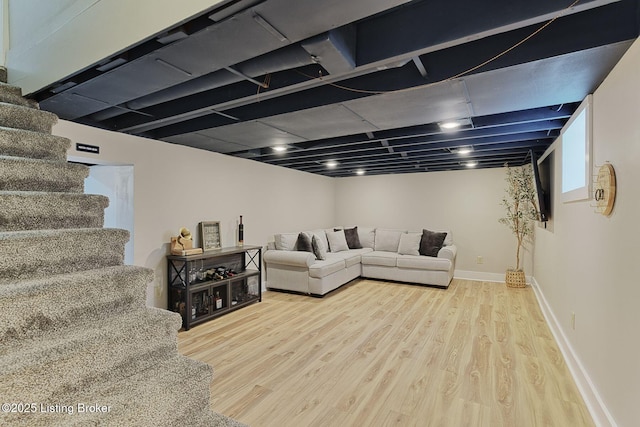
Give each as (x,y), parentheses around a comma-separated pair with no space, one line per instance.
(449,125)
(471,164)
(360,172)
(463,150)
(279,148)
(331,164)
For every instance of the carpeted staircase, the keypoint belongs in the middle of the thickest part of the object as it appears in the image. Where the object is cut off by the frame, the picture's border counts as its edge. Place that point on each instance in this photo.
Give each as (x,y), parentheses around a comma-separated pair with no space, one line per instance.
(78,346)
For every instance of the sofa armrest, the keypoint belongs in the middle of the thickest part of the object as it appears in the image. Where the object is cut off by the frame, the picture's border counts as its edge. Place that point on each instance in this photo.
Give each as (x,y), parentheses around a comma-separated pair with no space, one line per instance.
(292,258)
(448,252)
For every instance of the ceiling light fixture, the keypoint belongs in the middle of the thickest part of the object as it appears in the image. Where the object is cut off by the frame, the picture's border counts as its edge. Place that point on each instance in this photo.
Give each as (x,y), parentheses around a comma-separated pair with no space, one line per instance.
(360,172)
(449,125)
(464,150)
(331,164)
(471,164)
(279,148)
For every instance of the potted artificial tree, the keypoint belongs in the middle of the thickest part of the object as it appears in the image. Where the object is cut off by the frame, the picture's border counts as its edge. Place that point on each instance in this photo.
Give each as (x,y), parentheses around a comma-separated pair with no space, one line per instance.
(521,212)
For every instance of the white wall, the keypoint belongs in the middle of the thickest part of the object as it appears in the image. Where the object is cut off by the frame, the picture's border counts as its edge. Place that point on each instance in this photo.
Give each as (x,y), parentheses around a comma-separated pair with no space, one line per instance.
(51,39)
(466,202)
(177,186)
(4,31)
(589,264)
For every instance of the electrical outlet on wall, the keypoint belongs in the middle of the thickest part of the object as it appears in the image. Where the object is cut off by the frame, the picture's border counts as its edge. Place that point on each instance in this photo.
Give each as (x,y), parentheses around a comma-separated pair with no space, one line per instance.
(480,259)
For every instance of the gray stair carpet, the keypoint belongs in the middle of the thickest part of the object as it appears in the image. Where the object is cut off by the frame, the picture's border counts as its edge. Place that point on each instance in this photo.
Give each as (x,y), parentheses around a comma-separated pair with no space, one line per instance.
(78,346)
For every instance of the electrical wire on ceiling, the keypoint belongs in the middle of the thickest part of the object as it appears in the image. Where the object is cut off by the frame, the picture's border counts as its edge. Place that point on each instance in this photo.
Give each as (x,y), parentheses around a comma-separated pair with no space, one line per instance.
(456,76)
(265,84)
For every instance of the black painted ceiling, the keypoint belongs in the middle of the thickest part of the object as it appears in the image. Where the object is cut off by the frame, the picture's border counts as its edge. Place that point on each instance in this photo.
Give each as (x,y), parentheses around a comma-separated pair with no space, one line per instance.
(365,83)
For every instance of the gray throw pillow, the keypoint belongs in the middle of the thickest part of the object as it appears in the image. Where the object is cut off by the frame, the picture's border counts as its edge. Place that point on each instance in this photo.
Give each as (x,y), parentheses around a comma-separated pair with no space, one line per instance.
(337,241)
(318,248)
(353,240)
(431,242)
(303,243)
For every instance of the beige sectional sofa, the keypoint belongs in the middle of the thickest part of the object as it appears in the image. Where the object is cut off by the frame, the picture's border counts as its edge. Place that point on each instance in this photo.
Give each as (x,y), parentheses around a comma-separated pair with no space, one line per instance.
(392,255)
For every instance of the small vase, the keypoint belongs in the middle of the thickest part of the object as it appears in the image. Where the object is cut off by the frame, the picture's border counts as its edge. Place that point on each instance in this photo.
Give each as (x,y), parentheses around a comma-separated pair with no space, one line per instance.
(515,279)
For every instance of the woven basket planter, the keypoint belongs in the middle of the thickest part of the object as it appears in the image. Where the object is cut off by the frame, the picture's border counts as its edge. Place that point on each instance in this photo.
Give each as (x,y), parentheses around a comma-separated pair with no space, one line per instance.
(515,279)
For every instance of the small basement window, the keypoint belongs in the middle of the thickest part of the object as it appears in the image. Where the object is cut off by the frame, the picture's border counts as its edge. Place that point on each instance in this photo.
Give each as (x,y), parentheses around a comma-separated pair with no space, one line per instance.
(576,154)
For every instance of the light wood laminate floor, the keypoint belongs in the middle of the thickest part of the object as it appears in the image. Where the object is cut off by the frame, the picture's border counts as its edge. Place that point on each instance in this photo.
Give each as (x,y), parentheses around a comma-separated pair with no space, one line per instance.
(380,354)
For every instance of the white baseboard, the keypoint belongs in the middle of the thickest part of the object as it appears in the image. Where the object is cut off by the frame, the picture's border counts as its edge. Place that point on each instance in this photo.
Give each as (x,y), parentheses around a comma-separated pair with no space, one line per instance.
(478,275)
(599,412)
(483,276)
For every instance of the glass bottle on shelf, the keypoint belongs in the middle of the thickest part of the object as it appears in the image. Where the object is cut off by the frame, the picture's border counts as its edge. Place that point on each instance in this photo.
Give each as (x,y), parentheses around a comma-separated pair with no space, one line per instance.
(218,301)
(201,275)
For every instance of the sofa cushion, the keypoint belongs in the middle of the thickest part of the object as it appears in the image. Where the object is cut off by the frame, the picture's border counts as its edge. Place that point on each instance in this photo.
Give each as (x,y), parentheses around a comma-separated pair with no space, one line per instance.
(319,249)
(387,240)
(423,262)
(304,242)
(387,259)
(353,240)
(320,269)
(409,244)
(337,241)
(431,242)
(286,241)
(350,257)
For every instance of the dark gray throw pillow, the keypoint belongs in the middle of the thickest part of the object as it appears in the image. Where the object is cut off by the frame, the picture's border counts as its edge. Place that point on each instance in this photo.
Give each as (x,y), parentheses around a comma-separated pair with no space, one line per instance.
(303,243)
(353,240)
(431,242)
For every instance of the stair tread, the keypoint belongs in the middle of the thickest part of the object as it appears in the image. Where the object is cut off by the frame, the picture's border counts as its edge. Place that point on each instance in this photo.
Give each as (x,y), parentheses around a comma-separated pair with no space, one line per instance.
(110,290)
(39,234)
(29,144)
(76,356)
(40,162)
(6,87)
(21,117)
(37,253)
(31,210)
(173,389)
(17,99)
(25,174)
(167,388)
(25,285)
(81,333)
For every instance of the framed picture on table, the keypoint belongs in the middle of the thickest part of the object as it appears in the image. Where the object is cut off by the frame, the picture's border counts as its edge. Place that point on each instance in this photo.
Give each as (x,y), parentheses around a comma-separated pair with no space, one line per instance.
(210,235)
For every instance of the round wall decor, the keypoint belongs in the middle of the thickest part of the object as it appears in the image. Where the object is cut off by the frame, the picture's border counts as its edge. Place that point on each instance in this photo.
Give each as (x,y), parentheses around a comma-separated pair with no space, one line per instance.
(605,192)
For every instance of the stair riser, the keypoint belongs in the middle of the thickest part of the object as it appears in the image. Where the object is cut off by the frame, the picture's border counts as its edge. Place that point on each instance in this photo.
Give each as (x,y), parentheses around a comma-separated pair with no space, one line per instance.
(18,117)
(27,255)
(33,175)
(10,98)
(33,145)
(37,211)
(35,308)
(7,88)
(182,381)
(116,352)
(154,397)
